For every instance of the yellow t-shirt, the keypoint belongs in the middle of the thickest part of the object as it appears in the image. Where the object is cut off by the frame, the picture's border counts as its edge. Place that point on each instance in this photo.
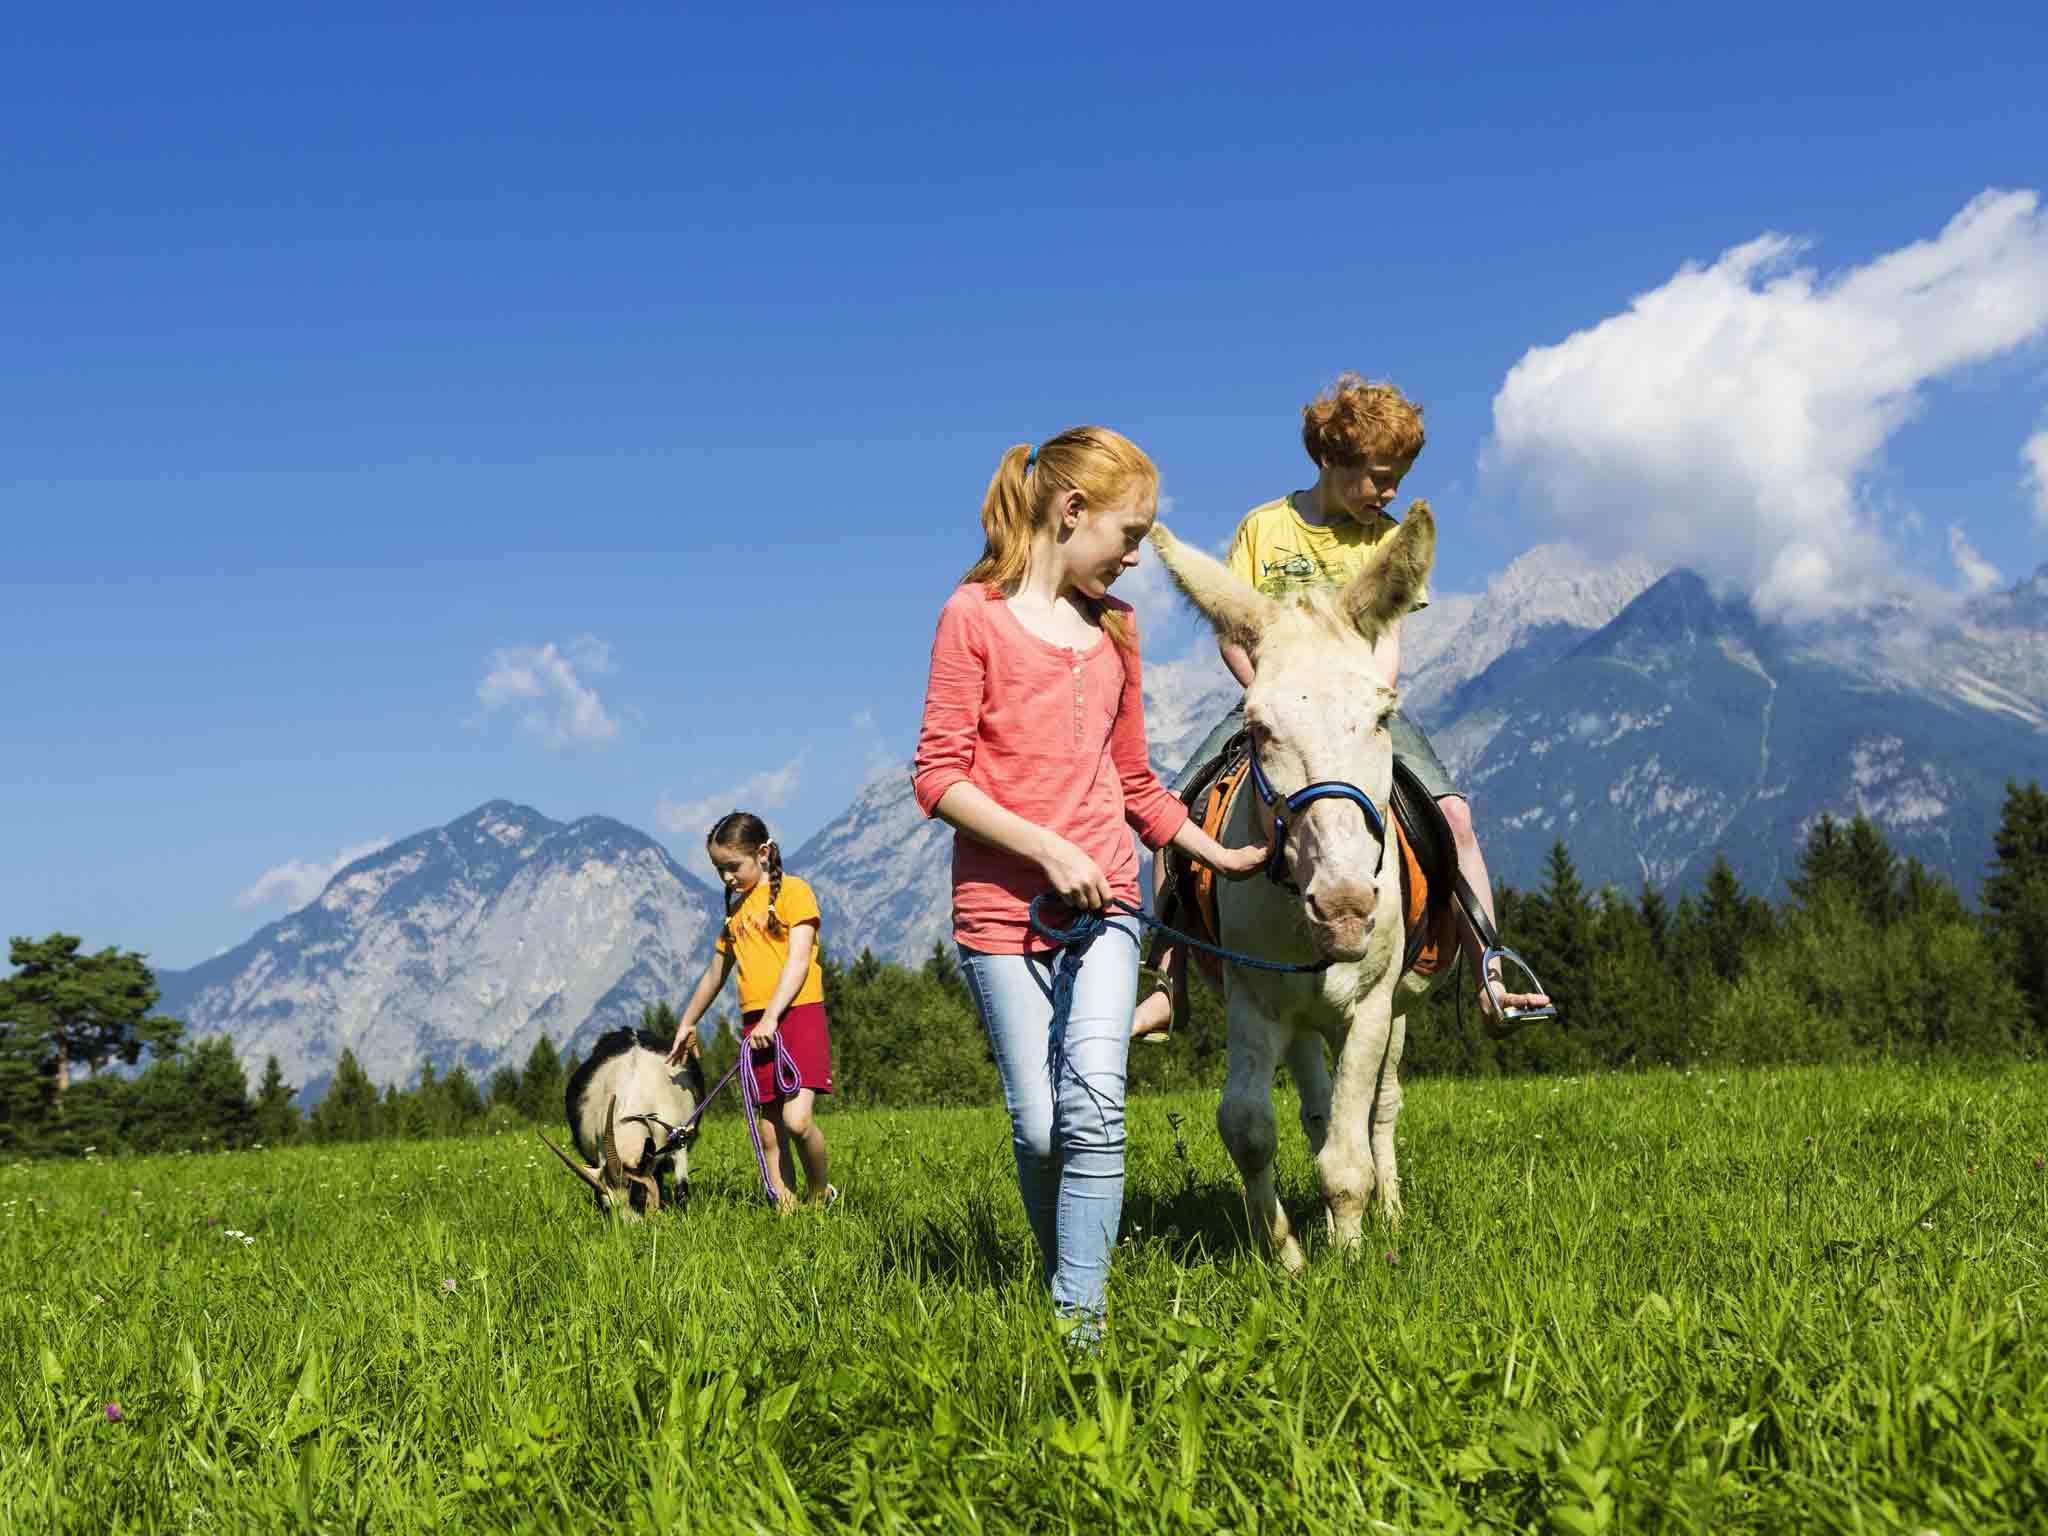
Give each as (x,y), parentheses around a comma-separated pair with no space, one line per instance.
(1283,556)
(759,955)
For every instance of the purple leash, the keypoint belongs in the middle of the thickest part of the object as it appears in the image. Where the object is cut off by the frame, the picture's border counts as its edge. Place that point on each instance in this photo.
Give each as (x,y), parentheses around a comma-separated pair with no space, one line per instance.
(788,1080)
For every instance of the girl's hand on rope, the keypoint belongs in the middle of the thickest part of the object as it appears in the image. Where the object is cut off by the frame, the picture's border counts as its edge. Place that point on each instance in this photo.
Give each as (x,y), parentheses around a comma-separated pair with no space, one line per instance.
(1241,863)
(686,1047)
(763,1035)
(1077,879)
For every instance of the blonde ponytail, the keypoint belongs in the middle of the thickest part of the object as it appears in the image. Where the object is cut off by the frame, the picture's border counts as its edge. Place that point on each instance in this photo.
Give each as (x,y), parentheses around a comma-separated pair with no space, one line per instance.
(1010,515)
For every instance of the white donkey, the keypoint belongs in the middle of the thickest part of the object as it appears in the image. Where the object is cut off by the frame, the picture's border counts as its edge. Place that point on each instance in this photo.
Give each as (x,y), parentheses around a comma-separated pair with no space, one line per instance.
(1317,714)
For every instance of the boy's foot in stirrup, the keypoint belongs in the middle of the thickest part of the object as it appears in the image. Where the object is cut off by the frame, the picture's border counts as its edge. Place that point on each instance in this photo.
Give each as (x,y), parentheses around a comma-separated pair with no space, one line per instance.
(1517,1002)
(1153,1021)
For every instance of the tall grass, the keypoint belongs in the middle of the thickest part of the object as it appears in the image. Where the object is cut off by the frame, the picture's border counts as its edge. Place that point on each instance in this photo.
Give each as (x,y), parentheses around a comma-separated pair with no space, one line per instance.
(1791,1300)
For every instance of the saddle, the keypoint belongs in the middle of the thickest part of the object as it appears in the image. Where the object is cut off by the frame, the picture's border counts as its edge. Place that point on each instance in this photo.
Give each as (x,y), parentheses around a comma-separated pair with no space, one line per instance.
(1426,861)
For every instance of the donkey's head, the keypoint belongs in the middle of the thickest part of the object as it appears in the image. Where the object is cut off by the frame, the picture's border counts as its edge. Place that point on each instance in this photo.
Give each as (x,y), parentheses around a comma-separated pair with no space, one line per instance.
(1318,710)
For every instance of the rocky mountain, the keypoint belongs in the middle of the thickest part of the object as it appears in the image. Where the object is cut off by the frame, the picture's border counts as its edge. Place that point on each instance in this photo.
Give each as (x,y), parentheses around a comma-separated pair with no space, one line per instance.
(1687,729)
(882,871)
(1528,616)
(460,944)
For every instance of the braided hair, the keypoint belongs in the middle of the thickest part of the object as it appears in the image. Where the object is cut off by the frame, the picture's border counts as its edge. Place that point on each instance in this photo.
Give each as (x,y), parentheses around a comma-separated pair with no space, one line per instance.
(746,832)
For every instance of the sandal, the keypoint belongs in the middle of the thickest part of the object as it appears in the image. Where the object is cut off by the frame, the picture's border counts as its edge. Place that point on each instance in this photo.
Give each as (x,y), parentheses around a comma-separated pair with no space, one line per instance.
(1159,1035)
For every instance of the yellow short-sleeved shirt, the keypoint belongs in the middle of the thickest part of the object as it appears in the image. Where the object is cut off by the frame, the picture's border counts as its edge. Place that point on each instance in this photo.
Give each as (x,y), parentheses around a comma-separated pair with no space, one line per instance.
(759,956)
(1282,556)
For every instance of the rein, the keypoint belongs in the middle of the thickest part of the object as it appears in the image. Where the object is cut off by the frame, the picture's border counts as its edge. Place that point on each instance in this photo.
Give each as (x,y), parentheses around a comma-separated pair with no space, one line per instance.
(788,1080)
(1073,940)
(1283,806)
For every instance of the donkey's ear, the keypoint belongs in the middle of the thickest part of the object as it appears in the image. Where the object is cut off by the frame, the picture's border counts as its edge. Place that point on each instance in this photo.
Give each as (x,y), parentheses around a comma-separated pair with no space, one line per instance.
(1395,573)
(1235,609)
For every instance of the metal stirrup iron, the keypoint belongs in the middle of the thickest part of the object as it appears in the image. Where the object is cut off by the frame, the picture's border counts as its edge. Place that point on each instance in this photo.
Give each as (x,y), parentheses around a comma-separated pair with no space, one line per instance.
(1494,953)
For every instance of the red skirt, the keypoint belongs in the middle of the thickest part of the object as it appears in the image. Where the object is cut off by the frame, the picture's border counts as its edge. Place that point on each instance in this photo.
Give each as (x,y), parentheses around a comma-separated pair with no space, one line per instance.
(808,1039)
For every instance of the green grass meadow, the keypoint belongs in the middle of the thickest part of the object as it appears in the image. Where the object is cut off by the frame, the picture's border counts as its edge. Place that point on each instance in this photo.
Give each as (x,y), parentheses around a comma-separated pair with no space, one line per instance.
(1803,1300)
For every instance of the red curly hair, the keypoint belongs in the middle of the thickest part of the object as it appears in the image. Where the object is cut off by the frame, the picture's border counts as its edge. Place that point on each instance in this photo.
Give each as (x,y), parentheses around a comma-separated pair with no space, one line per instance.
(1353,421)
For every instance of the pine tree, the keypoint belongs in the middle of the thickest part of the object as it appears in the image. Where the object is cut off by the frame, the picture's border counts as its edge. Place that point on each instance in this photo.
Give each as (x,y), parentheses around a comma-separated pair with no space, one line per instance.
(1656,915)
(1872,872)
(216,1095)
(1823,863)
(505,1089)
(541,1084)
(62,1010)
(277,1117)
(458,1092)
(1732,924)
(2016,897)
(942,966)
(348,1110)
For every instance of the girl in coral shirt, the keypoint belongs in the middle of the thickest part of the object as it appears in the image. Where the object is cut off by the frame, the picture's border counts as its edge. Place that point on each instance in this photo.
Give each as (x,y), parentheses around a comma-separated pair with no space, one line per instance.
(1033,750)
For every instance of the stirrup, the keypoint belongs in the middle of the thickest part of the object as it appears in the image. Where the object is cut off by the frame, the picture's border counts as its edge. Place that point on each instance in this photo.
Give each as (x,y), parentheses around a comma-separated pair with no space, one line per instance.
(1507,1020)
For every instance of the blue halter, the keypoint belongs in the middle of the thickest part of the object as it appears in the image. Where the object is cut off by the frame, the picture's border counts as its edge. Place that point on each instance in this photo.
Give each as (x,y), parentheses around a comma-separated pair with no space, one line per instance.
(1291,805)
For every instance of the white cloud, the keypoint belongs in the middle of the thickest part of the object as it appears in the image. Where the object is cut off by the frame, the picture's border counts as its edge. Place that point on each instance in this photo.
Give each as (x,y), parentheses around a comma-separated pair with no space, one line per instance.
(2035,456)
(1979,574)
(564,710)
(761,791)
(297,881)
(863,719)
(1726,420)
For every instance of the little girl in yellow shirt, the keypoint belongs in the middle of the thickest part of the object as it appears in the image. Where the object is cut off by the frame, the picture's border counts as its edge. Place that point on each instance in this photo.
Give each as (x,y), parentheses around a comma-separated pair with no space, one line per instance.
(771,936)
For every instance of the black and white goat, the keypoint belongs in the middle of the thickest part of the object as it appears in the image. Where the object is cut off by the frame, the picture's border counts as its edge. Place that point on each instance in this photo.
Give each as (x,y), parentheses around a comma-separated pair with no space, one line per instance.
(622,1104)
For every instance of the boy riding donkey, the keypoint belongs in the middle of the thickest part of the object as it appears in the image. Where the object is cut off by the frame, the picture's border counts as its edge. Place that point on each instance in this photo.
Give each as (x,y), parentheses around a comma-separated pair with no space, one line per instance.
(1363,438)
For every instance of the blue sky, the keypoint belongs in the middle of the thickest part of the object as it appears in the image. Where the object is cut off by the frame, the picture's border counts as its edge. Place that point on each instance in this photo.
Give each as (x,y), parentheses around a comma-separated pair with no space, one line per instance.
(593,407)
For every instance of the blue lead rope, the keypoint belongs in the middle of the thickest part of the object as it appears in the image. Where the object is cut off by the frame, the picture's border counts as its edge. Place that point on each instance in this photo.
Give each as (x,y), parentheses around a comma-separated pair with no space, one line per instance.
(1074,939)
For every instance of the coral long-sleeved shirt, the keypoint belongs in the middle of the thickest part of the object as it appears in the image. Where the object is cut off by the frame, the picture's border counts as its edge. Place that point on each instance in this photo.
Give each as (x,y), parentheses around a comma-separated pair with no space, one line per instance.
(1055,735)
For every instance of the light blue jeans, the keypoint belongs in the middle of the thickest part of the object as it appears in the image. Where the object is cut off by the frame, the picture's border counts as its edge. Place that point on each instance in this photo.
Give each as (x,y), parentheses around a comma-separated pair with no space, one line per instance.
(1066,1102)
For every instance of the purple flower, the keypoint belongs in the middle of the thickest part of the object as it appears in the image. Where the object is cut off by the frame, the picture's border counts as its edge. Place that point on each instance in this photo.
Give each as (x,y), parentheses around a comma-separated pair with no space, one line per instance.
(114,1413)
(1392,1257)
(2039,1164)
(448,1284)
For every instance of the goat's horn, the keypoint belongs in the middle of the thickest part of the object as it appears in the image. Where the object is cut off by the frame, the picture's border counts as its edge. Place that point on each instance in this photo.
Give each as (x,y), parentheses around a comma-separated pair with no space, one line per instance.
(587,1175)
(614,1165)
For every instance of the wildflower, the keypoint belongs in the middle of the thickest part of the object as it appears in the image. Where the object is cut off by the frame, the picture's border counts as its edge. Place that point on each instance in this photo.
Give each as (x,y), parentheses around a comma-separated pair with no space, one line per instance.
(1392,1257)
(448,1283)
(248,1242)
(114,1413)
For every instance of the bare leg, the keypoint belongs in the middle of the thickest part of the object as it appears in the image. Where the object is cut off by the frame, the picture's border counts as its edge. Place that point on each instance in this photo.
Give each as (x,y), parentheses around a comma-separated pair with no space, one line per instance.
(1168,1000)
(800,1127)
(775,1150)
(1472,865)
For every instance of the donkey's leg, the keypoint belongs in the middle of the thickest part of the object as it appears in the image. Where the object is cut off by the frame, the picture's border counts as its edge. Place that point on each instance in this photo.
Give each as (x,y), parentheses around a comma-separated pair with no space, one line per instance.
(1245,1120)
(1309,1066)
(1386,1110)
(1346,1162)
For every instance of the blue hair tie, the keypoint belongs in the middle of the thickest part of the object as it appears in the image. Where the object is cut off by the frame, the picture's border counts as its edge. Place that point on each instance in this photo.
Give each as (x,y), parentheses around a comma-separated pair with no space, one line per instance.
(1030,459)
